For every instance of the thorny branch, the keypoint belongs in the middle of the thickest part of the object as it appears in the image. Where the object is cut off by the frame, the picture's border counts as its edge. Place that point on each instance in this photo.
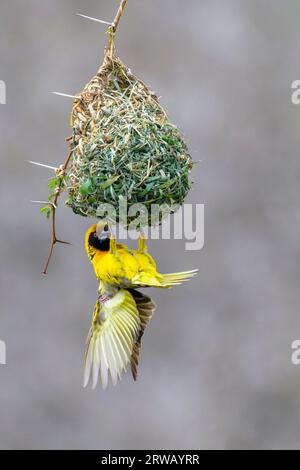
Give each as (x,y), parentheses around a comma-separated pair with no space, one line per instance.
(54,240)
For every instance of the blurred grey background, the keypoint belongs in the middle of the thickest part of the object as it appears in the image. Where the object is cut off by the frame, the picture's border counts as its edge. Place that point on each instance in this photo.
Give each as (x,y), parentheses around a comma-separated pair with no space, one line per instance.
(216,370)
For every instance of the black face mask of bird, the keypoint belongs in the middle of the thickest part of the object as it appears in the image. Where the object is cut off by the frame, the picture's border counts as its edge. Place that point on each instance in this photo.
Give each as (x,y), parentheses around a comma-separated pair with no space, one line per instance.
(102,242)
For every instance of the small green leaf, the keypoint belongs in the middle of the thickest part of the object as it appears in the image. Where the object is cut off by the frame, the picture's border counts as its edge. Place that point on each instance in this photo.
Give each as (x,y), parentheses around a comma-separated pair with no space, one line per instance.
(47,211)
(87,188)
(52,184)
(170,140)
(109,182)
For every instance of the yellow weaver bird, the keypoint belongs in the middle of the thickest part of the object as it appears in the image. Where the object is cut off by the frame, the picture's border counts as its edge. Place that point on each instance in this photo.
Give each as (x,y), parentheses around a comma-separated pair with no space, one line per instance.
(121,313)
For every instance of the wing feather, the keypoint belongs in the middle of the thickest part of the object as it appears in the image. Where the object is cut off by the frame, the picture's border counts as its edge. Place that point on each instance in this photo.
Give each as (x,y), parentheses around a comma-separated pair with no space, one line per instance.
(146,308)
(111,341)
(103,364)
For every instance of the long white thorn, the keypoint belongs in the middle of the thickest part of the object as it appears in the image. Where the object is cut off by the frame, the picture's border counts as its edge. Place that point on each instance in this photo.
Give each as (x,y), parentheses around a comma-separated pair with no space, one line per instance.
(94,19)
(64,95)
(45,203)
(42,165)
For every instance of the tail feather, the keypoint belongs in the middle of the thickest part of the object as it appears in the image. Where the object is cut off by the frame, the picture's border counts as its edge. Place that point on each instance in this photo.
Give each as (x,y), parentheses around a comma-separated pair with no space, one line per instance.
(163,281)
(174,279)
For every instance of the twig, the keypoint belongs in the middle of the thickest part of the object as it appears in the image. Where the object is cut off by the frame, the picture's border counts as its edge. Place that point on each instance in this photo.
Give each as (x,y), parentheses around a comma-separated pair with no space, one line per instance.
(54,240)
(119,15)
(113,29)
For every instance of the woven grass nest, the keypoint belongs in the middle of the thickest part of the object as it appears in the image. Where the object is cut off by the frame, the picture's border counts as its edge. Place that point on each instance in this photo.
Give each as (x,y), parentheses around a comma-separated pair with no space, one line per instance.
(124,146)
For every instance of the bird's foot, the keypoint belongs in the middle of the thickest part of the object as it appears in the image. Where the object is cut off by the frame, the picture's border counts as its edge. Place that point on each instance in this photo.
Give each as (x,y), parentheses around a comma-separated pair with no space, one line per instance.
(104,298)
(113,245)
(142,247)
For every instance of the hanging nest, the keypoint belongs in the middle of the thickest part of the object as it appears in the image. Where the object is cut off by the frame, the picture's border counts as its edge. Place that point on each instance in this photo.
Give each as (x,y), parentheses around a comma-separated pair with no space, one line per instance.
(124,147)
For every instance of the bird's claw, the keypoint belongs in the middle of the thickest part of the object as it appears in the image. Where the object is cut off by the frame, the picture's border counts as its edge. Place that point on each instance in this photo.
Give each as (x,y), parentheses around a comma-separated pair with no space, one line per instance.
(113,245)
(142,247)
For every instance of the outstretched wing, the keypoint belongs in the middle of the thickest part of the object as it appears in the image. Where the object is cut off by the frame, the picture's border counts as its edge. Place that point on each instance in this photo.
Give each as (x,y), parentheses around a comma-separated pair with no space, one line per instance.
(110,344)
(146,308)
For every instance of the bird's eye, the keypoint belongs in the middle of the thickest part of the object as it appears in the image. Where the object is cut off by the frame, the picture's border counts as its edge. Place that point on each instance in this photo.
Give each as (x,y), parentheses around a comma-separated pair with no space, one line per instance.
(95,235)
